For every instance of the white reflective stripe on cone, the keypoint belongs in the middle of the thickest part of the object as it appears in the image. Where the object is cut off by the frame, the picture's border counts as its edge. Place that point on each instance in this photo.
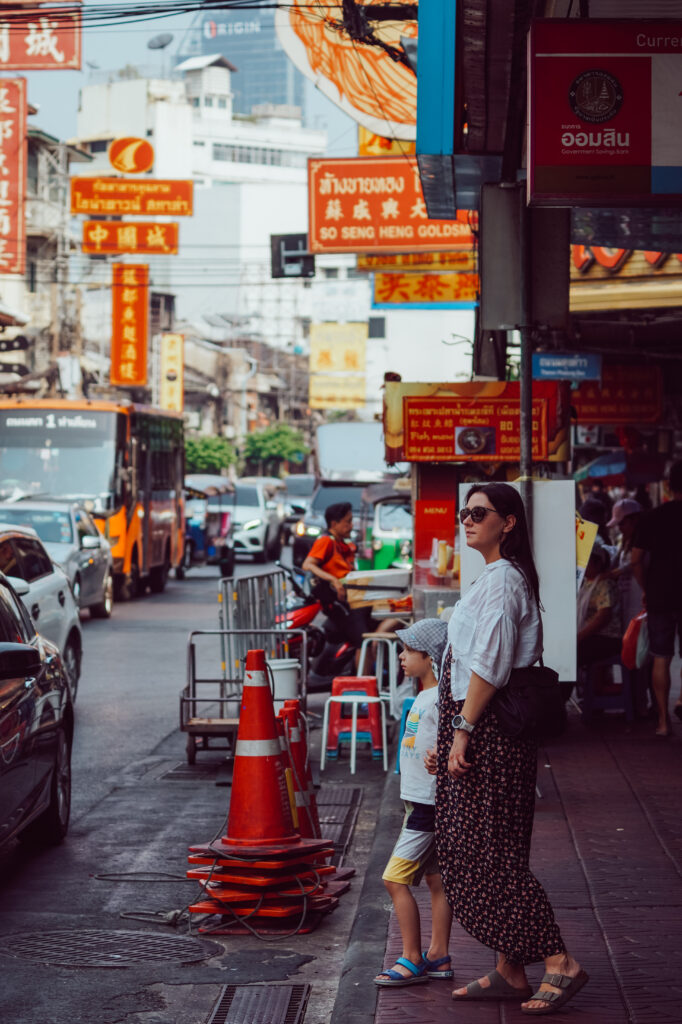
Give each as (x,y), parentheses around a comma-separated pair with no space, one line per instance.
(258,748)
(256,679)
(295,735)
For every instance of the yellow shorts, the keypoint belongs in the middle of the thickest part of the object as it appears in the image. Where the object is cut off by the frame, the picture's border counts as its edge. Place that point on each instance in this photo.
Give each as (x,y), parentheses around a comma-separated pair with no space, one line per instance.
(414,854)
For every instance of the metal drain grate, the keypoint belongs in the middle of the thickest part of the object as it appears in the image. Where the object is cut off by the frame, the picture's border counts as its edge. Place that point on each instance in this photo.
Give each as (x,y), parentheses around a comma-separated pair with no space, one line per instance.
(193,772)
(90,948)
(338,808)
(258,1004)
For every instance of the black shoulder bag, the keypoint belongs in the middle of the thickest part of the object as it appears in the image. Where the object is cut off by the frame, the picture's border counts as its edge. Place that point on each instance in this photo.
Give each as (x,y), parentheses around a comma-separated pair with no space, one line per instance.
(531,705)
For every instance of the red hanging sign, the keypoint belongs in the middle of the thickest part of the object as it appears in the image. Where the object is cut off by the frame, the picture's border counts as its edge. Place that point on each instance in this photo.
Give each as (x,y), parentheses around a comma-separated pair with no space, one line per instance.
(129,327)
(44,39)
(12,175)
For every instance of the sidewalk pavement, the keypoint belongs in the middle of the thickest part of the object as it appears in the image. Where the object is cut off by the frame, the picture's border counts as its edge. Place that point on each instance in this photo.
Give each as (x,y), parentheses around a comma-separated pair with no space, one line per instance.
(607,846)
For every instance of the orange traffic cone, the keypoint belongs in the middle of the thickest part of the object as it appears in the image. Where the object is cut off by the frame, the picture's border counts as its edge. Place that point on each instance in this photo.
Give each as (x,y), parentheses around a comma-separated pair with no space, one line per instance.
(306,804)
(260,821)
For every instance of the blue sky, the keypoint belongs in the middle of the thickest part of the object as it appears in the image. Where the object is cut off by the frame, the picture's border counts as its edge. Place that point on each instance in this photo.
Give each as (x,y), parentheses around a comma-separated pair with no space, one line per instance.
(112,47)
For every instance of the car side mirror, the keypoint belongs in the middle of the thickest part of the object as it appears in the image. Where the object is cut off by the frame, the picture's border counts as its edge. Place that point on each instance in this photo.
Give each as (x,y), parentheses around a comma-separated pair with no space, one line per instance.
(19,586)
(89,543)
(18,660)
(298,509)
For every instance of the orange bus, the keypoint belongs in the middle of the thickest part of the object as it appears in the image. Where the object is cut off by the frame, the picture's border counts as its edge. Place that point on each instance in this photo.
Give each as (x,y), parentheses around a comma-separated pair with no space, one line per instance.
(124,462)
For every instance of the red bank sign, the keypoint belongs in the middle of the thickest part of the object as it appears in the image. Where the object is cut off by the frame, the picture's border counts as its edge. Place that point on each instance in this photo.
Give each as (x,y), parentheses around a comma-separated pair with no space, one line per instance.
(605,112)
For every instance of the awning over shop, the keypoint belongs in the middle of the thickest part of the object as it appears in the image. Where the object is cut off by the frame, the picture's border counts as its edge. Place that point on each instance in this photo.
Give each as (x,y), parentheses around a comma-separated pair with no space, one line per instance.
(11,317)
(617,468)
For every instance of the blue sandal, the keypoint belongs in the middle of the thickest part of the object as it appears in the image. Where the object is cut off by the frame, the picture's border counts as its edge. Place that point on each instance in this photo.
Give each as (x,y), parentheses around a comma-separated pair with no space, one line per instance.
(392,978)
(433,965)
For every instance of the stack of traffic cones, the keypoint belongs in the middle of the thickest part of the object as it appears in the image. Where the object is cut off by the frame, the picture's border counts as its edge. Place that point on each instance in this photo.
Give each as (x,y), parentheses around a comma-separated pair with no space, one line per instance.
(263,876)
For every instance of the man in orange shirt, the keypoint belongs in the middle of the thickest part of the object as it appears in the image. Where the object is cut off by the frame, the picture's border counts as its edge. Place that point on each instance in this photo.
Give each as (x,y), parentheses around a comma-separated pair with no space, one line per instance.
(330,558)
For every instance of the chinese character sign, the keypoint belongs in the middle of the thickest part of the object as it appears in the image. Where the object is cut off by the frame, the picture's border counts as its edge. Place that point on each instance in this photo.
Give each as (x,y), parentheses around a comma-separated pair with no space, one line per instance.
(172,371)
(100,236)
(129,328)
(605,113)
(626,394)
(375,204)
(12,175)
(337,365)
(425,289)
(45,39)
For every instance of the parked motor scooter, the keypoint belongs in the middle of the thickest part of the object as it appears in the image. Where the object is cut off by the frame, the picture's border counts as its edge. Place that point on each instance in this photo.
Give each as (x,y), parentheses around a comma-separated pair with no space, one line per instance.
(329,652)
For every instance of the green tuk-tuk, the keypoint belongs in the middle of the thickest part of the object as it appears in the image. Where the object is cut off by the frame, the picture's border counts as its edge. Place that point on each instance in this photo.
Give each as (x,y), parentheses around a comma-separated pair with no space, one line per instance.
(386,530)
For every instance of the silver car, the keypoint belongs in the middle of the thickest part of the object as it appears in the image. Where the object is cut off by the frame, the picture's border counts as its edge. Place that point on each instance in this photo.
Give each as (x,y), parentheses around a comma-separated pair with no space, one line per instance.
(45,592)
(73,541)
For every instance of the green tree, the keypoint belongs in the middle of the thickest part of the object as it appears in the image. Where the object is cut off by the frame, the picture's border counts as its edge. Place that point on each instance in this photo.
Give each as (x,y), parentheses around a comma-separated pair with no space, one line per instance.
(271,447)
(208,454)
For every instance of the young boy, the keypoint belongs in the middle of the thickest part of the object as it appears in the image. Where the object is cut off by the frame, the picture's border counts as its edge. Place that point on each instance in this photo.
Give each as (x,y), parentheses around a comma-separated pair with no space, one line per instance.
(414,854)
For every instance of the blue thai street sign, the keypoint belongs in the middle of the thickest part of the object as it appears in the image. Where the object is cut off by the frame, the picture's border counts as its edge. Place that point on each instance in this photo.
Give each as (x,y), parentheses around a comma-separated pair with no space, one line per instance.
(566,366)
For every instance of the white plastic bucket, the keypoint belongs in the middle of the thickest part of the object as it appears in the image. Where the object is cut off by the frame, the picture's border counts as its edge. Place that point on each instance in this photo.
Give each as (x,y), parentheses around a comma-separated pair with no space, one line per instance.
(285,674)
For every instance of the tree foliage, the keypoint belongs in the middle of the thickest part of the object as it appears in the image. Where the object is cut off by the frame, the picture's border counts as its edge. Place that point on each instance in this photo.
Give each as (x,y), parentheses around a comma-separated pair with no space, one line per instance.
(208,454)
(274,445)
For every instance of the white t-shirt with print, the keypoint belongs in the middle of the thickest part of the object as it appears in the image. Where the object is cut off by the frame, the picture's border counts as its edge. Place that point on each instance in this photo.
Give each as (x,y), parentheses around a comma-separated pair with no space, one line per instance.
(421,729)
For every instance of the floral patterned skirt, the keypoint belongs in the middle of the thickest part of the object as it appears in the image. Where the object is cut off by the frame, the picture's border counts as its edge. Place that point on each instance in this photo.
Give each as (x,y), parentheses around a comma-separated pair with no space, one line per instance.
(483,831)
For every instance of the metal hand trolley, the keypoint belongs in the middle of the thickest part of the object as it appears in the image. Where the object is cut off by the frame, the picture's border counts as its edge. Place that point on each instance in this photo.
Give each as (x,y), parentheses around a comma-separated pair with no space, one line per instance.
(210,704)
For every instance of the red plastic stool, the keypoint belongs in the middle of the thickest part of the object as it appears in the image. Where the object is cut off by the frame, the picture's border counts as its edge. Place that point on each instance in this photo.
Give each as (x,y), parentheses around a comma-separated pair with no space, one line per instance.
(340,720)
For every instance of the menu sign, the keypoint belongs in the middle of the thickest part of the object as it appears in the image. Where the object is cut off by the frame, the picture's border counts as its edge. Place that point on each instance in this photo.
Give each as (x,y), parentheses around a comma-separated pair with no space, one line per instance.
(376,204)
(129,328)
(12,175)
(459,430)
(604,112)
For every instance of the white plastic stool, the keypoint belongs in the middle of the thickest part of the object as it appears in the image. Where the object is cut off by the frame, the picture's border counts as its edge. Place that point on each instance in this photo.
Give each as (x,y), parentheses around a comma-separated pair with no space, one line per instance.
(387,643)
(354,699)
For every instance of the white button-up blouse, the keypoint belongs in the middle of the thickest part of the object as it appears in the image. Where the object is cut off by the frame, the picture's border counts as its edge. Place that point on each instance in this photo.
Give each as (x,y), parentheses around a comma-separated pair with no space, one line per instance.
(495,627)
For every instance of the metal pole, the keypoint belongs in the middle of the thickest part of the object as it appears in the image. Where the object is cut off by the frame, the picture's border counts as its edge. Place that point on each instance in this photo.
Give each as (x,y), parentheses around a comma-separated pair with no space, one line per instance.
(526,368)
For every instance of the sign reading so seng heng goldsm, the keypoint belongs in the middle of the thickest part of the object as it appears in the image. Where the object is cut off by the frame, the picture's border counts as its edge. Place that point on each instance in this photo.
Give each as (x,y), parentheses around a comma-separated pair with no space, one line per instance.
(605,113)
(376,204)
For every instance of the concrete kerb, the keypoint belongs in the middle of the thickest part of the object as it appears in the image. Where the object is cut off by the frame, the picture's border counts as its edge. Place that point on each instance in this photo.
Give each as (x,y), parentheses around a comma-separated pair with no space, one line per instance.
(356,997)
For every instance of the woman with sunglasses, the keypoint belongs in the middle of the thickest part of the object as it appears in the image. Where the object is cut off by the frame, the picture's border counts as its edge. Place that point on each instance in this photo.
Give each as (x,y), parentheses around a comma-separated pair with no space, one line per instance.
(485,796)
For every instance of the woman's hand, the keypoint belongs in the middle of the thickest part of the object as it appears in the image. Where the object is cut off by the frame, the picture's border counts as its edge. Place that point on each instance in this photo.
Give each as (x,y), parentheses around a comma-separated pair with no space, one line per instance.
(431,761)
(458,766)
(340,589)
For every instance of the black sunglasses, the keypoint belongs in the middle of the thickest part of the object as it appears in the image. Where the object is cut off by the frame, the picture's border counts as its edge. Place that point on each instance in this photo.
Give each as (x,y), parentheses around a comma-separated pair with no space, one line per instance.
(477,513)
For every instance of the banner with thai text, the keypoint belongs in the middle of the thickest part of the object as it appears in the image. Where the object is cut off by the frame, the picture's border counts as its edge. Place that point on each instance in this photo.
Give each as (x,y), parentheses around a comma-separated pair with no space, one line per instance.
(130,324)
(139,197)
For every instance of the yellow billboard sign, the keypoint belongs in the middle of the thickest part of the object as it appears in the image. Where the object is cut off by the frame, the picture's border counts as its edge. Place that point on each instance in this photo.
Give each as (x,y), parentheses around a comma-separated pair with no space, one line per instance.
(172,372)
(337,391)
(338,347)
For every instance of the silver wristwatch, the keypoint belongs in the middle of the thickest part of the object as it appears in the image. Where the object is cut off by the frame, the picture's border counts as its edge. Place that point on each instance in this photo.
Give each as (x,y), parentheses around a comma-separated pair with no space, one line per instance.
(460,722)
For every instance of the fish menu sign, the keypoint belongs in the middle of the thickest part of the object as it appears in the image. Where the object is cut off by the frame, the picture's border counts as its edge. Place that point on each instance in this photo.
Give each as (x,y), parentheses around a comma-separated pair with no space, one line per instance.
(605,100)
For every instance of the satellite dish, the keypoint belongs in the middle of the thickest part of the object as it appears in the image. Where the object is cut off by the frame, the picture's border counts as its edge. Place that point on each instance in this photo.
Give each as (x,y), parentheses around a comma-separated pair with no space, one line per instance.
(161,41)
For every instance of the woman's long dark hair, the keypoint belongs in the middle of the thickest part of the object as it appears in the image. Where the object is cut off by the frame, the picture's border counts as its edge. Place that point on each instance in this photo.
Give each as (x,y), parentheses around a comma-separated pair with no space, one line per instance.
(515,546)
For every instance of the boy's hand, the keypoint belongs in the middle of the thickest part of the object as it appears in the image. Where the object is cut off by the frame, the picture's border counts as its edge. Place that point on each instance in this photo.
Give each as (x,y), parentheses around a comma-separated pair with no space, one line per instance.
(431,761)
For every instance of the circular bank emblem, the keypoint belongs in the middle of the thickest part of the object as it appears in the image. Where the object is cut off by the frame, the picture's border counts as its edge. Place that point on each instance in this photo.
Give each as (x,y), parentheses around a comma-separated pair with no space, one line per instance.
(595,96)
(131,156)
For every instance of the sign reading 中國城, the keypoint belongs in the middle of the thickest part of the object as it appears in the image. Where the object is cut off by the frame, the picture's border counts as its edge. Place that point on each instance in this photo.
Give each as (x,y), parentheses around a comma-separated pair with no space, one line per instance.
(102,236)
(376,204)
(40,39)
(140,197)
(566,366)
(129,326)
(605,113)
(13,147)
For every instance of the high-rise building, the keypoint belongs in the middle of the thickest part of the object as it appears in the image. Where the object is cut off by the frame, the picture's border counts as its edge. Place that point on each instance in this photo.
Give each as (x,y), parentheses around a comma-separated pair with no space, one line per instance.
(247,38)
